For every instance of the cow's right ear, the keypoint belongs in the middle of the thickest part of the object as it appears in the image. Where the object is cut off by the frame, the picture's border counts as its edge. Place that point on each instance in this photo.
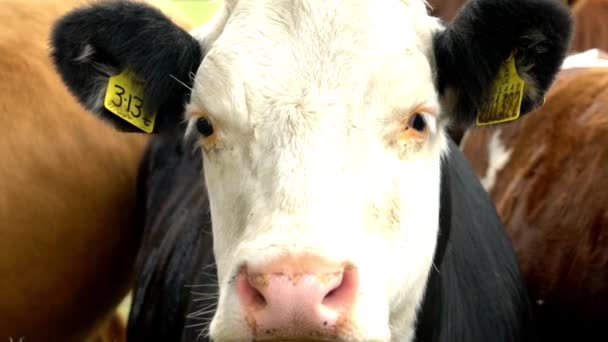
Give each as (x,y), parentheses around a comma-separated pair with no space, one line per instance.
(128,63)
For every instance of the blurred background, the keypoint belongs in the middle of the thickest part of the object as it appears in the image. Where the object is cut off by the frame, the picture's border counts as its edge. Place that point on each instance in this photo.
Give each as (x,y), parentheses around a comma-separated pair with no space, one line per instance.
(198,11)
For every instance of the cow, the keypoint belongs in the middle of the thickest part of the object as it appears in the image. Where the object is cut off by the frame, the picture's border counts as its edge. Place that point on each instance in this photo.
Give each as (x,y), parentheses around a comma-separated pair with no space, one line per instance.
(300,184)
(590,29)
(551,197)
(68,230)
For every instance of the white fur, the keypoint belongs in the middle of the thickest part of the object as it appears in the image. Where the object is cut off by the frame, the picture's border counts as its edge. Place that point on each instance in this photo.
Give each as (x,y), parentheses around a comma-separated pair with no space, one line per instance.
(308,99)
(587,59)
(464,139)
(86,54)
(96,96)
(498,157)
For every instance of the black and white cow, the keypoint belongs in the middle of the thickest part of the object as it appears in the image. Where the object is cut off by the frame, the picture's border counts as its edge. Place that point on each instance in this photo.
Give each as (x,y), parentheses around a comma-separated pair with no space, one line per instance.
(328,202)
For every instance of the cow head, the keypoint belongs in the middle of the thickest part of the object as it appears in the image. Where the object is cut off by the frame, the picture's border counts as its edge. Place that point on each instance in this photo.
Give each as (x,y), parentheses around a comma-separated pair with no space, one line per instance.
(322,132)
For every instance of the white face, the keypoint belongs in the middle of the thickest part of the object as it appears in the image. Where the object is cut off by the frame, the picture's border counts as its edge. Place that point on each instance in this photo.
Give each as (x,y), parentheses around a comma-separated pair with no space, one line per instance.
(318,153)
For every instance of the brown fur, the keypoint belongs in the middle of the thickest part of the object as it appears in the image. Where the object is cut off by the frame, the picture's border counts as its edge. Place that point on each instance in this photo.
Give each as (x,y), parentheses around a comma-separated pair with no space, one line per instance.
(112,330)
(68,233)
(444,9)
(552,196)
(591,25)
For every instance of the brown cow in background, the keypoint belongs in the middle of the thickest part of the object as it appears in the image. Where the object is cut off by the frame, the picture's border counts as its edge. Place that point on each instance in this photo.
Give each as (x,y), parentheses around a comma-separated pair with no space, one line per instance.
(591,25)
(68,234)
(548,176)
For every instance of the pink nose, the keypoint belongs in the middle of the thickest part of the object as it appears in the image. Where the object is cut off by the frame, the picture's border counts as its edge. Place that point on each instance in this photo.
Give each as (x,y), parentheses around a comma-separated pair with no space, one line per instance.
(296,297)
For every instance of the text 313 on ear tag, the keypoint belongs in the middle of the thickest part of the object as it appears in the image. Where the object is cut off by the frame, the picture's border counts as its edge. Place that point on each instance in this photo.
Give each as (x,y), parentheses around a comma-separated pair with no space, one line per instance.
(125,98)
(505,99)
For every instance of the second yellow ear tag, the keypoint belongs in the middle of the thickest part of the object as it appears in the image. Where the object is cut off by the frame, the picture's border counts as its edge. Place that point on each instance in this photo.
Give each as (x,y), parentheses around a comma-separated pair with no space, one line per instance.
(507,93)
(125,98)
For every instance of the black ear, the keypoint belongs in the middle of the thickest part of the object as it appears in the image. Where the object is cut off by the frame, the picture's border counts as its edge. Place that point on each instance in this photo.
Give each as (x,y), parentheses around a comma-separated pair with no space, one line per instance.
(96,42)
(470,52)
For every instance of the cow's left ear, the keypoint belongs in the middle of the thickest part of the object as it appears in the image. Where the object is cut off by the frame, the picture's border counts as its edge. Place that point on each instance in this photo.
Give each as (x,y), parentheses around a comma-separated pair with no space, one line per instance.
(127,63)
(497,58)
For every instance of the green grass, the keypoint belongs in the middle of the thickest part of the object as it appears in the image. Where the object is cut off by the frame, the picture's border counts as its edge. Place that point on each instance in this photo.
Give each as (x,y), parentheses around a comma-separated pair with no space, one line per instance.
(199,11)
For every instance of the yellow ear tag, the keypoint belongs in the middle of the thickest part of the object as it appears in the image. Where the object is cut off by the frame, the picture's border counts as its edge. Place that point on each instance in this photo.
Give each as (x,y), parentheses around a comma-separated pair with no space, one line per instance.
(505,101)
(125,98)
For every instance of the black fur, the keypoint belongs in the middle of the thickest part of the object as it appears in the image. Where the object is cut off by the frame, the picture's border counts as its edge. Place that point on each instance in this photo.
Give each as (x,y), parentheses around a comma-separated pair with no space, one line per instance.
(127,34)
(471,49)
(475,290)
(175,264)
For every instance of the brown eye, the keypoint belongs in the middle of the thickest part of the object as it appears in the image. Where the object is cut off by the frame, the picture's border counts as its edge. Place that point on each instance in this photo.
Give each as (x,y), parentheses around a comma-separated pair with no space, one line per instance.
(204,127)
(417,122)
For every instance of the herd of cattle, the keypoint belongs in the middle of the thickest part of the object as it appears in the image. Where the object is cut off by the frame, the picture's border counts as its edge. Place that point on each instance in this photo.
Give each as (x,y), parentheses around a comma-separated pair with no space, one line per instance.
(321,231)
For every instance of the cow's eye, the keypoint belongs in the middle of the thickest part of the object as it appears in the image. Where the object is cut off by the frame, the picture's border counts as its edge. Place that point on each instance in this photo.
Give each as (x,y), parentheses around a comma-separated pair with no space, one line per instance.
(204,127)
(416,127)
(417,122)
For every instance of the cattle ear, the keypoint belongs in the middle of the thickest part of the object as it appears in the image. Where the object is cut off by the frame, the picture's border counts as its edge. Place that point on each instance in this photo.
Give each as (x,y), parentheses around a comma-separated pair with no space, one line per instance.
(497,59)
(127,62)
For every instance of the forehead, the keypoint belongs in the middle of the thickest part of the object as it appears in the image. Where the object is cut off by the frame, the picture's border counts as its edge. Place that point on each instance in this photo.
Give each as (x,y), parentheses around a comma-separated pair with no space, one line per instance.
(314,55)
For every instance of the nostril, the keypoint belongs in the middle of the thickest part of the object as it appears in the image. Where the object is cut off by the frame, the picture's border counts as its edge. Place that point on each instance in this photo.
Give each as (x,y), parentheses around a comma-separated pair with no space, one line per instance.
(336,287)
(258,298)
(343,292)
(248,290)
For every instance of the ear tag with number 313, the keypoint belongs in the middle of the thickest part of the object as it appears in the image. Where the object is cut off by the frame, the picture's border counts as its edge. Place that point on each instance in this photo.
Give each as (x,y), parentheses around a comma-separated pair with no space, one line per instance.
(504,104)
(125,98)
